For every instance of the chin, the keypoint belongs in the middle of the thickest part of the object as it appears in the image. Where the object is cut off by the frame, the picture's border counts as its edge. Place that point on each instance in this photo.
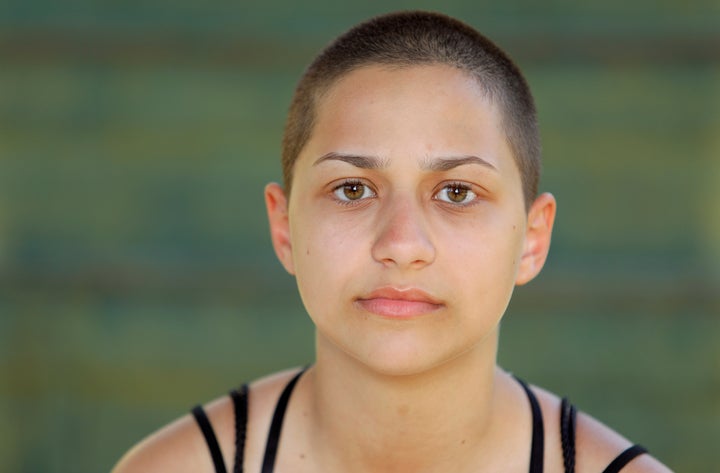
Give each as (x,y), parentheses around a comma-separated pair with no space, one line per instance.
(399,350)
(404,361)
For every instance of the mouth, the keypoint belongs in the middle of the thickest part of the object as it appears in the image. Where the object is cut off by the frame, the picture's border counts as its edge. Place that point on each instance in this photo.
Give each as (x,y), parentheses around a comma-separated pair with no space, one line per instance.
(399,303)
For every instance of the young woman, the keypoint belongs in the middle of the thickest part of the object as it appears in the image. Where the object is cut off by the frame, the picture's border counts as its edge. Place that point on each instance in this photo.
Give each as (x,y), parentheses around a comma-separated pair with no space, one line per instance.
(408,214)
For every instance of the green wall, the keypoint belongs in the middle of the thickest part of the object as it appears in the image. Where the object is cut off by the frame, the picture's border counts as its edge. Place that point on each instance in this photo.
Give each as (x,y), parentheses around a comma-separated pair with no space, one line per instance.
(137,279)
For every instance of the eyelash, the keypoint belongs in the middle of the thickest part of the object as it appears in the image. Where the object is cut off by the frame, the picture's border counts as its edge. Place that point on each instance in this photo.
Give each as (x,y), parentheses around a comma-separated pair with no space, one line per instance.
(350,183)
(436,196)
(460,186)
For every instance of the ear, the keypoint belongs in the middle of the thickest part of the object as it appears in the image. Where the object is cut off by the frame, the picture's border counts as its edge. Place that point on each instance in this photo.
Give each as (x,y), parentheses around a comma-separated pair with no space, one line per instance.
(277,209)
(537,238)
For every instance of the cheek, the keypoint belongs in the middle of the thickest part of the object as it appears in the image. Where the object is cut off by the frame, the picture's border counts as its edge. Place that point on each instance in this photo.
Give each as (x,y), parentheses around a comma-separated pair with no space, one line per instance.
(489,248)
(326,261)
(321,243)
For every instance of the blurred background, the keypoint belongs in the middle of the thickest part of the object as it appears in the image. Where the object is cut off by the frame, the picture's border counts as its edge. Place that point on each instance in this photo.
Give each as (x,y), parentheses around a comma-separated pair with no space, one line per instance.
(137,278)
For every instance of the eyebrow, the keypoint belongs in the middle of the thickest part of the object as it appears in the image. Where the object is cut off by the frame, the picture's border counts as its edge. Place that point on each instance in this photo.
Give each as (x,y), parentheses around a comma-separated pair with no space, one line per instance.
(429,164)
(364,162)
(446,164)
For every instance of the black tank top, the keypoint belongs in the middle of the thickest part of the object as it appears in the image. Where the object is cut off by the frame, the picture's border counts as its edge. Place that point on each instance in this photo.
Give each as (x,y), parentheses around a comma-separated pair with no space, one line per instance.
(240,404)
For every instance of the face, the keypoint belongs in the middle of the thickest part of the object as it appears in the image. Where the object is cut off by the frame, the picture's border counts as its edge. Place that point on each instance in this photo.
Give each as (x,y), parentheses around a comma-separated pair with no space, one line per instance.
(406,228)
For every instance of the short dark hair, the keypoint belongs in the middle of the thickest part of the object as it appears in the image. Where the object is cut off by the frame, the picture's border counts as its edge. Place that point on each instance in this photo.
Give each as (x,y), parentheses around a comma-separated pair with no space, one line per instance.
(406,39)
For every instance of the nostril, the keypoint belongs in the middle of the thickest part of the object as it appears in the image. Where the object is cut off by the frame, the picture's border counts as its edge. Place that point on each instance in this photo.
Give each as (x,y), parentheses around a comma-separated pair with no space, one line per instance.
(403,240)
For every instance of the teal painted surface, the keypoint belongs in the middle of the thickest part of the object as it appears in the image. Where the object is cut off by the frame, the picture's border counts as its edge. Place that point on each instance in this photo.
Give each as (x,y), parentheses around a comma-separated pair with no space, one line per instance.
(136,277)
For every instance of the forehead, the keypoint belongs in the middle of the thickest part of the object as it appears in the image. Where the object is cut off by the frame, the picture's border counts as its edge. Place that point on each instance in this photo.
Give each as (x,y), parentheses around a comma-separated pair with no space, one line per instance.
(416,110)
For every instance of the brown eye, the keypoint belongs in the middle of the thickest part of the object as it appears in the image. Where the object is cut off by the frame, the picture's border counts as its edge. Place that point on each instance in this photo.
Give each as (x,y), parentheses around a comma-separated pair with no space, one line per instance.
(456,194)
(353,191)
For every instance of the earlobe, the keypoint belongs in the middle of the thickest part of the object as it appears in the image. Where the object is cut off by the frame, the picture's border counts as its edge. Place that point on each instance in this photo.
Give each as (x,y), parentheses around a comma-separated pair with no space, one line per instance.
(277,209)
(537,238)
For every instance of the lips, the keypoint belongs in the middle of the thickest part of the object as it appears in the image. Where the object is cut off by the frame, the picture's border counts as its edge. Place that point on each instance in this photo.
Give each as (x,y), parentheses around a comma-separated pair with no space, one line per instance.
(399,303)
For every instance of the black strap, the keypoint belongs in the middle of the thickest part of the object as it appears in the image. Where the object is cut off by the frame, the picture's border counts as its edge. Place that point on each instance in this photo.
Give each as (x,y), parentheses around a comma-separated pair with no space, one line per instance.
(624,458)
(538,433)
(568,420)
(240,403)
(210,438)
(276,426)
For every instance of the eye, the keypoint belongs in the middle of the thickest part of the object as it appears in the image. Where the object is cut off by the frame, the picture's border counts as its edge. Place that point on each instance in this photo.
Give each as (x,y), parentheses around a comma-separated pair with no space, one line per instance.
(456,193)
(350,191)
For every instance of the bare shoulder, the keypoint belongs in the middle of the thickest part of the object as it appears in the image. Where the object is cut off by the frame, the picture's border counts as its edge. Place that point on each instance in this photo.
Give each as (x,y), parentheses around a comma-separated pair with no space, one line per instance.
(262,400)
(180,446)
(177,447)
(597,445)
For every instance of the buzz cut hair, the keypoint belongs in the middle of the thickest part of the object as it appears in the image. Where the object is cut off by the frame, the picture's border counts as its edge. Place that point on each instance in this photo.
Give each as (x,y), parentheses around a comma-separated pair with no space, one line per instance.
(417,38)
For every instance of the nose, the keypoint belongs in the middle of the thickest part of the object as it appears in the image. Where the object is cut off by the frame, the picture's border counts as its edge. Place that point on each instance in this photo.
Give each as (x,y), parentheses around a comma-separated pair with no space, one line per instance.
(402,237)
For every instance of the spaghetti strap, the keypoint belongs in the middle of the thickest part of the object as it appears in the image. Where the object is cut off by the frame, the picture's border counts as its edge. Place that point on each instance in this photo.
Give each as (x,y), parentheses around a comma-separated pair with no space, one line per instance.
(240,404)
(537,449)
(568,420)
(624,458)
(568,416)
(210,439)
(273,440)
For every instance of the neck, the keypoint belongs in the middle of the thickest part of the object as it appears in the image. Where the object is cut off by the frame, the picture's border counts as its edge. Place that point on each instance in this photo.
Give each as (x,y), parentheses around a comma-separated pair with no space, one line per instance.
(437,420)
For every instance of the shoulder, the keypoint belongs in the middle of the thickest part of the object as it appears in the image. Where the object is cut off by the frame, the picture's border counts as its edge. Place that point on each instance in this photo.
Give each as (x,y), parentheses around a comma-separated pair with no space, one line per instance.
(596,444)
(181,447)
(177,447)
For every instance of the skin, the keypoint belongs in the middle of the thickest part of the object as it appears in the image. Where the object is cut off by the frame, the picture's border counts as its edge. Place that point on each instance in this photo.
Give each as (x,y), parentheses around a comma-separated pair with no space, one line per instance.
(424,135)
(404,233)
(407,233)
